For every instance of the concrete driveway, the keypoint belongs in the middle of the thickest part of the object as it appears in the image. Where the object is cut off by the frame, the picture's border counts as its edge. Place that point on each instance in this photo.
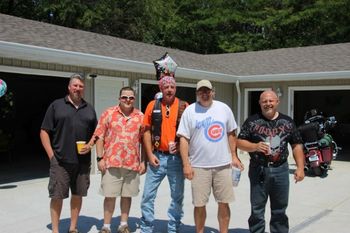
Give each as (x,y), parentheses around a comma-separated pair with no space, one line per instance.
(316,205)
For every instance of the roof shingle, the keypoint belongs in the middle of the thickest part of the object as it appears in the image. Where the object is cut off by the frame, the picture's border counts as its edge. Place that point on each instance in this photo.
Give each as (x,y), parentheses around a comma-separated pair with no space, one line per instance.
(334,57)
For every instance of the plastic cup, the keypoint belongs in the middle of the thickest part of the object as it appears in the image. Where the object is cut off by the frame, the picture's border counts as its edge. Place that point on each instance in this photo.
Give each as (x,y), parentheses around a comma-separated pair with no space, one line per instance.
(80,145)
(236,176)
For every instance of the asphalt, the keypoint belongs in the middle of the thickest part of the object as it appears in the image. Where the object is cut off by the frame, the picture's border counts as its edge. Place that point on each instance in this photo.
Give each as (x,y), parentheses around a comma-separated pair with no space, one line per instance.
(315,205)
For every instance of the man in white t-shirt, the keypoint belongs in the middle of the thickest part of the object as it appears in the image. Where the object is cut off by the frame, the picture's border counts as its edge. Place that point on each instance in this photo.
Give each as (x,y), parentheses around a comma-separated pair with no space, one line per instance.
(208,150)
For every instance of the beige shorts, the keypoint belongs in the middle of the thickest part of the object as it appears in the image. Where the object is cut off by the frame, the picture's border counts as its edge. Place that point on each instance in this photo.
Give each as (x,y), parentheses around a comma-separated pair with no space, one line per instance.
(116,182)
(218,178)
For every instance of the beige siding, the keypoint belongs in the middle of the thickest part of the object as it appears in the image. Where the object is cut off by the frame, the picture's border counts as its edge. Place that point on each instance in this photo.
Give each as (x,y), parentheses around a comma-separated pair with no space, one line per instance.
(225,93)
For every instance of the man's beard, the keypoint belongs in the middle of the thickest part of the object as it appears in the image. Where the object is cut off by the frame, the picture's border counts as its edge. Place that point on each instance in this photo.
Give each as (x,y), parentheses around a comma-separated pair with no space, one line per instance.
(76,97)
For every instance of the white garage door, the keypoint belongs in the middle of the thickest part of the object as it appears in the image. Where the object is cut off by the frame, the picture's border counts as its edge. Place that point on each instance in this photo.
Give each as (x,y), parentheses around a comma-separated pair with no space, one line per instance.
(107,92)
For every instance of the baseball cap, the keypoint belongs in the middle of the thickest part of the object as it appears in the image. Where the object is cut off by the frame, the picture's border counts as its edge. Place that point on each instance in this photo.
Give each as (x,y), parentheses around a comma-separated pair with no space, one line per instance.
(204,83)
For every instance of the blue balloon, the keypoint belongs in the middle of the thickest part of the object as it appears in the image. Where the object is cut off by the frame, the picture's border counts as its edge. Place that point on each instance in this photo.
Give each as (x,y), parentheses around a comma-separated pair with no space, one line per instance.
(3,87)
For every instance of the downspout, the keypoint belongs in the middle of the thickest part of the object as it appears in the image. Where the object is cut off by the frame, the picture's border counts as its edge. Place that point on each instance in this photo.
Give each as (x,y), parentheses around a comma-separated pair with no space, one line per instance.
(238,105)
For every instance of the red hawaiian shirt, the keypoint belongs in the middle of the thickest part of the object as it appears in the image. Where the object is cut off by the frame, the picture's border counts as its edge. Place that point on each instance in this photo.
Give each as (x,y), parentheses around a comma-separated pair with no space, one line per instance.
(122,136)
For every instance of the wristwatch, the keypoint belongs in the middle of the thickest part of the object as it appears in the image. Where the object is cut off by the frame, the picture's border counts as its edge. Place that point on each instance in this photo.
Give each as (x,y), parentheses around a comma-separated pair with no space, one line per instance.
(98,158)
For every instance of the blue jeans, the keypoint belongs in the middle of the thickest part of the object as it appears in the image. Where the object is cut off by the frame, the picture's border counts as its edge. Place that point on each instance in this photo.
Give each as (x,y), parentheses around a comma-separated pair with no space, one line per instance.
(270,182)
(170,166)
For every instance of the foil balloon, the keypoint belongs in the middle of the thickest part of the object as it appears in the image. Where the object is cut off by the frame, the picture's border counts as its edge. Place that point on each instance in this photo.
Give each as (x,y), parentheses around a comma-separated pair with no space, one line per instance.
(158,95)
(165,66)
(3,87)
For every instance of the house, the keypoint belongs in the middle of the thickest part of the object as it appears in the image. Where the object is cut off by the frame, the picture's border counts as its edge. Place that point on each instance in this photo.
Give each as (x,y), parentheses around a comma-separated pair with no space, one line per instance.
(36,59)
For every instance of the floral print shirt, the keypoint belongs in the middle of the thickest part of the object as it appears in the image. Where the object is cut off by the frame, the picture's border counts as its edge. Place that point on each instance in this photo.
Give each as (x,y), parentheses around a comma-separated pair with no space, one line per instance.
(121,136)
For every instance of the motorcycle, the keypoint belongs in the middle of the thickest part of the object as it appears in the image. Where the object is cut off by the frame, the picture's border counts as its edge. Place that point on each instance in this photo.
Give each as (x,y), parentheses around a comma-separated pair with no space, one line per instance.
(319,147)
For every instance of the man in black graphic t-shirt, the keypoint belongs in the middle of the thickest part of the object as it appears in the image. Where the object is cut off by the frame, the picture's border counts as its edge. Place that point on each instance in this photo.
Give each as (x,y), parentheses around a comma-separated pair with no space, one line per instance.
(266,136)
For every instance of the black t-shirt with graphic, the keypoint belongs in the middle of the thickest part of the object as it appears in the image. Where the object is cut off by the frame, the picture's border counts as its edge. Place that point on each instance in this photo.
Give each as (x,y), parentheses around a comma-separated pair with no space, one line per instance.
(278,132)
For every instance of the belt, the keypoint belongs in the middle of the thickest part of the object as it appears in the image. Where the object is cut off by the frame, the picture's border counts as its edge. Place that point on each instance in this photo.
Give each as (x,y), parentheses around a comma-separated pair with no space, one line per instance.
(270,163)
(275,164)
(162,151)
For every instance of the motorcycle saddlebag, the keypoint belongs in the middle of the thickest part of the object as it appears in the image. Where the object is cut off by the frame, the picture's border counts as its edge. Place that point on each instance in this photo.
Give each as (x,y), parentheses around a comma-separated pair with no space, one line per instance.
(309,132)
(327,154)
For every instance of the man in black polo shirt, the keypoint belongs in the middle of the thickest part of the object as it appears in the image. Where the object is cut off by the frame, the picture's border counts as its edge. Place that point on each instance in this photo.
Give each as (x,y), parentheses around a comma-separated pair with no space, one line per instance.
(68,120)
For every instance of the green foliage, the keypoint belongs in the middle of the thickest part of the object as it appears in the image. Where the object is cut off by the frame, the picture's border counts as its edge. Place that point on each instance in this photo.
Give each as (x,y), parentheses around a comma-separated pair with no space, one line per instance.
(202,26)
(21,8)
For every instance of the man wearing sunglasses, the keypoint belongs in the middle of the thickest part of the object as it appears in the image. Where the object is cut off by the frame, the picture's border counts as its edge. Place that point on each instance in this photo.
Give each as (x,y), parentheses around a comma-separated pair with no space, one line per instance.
(119,133)
(163,157)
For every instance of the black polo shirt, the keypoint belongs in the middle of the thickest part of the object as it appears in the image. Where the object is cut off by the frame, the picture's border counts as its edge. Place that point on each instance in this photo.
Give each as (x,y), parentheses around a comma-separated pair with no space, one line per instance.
(66,125)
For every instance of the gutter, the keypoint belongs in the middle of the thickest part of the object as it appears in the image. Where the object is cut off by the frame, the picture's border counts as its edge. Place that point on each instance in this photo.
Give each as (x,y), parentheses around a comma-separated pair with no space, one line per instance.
(49,55)
(295,76)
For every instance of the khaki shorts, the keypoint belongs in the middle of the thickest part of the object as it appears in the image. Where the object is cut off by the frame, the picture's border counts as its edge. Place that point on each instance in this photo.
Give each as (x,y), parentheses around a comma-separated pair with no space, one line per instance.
(116,182)
(218,178)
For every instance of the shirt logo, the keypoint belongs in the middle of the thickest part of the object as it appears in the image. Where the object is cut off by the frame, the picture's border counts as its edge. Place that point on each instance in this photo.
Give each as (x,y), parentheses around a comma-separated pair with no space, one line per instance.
(215,131)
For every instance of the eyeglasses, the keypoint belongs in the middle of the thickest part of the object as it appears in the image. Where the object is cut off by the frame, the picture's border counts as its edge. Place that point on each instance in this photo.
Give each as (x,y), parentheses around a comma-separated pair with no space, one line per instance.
(124,97)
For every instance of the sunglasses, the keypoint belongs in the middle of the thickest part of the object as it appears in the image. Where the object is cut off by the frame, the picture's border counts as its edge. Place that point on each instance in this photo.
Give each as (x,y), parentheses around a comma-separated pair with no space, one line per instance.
(167,112)
(124,97)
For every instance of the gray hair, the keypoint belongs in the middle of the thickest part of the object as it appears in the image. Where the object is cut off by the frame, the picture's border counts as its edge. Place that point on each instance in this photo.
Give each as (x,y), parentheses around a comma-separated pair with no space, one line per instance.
(77,76)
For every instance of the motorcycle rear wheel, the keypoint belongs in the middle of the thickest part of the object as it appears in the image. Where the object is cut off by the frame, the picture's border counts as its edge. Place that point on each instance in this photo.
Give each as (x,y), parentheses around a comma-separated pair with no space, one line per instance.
(317,171)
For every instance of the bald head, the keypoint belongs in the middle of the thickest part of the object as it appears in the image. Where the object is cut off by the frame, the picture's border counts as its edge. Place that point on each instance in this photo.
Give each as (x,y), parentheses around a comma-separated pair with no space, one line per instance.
(270,94)
(268,103)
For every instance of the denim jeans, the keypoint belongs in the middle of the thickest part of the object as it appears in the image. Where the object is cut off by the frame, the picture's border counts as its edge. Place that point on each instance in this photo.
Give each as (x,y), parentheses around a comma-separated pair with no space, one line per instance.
(270,182)
(170,166)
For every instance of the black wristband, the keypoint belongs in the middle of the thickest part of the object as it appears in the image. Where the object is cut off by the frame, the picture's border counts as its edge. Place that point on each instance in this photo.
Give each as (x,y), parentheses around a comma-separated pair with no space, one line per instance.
(99,158)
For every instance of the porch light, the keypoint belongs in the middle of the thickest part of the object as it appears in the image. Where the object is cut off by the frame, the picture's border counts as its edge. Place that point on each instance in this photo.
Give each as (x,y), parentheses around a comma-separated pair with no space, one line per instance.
(279,92)
(135,86)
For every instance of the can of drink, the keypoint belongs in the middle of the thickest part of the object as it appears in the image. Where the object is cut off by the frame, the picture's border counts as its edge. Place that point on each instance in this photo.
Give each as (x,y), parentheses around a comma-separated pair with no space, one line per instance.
(236,176)
(172,147)
(269,150)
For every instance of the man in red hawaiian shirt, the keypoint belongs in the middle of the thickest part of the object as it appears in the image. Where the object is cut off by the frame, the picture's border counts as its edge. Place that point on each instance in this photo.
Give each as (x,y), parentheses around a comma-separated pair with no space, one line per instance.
(119,132)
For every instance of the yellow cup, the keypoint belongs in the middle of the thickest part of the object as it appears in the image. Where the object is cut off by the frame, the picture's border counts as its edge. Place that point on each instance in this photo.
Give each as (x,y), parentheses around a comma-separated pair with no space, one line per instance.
(80,145)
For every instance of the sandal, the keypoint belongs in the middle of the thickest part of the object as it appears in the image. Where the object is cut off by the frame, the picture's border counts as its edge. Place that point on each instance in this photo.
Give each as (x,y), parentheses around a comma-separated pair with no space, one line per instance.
(73,231)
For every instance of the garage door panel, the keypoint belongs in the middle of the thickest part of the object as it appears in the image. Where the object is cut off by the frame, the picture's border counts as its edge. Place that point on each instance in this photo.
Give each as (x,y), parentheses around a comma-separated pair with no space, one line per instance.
(107,92)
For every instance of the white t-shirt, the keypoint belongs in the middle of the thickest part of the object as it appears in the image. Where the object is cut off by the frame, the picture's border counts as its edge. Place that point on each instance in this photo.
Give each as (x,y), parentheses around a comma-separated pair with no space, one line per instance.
(207,129)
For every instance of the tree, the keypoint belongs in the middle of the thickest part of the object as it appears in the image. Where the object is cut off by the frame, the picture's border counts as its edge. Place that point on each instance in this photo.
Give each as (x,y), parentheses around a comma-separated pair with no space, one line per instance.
(20,8)
(259,25)
(202,26)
